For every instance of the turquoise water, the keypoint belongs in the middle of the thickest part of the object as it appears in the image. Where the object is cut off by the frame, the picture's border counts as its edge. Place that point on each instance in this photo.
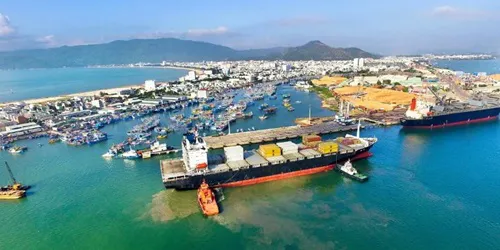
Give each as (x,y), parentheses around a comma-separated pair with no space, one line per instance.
(428,190)
(471,66)
(26,84)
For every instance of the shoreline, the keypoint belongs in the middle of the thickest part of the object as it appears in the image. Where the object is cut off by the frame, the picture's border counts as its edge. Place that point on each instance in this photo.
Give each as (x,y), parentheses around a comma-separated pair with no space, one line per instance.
(62,97)
(90,92)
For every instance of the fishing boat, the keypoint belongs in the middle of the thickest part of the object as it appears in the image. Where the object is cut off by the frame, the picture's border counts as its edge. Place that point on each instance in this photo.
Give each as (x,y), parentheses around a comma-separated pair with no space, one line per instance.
(348,170)
(263,106)
(110,154)
(206,200)
(131,154)
(17,150)
(263,117)
(270,110)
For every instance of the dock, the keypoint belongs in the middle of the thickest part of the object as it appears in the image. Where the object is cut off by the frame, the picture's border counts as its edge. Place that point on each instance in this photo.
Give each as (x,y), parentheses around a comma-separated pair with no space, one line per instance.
(275,134)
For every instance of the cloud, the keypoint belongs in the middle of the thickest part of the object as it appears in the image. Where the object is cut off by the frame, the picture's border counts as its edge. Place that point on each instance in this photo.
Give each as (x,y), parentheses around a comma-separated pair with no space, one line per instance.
(445,10)
(47,40)
(221,30)
(6,28)
(461,13)
(299,21)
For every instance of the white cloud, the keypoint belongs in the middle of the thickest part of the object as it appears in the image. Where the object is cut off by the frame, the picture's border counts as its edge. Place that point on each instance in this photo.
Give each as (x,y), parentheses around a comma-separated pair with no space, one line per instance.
(5,26)
(207,32)
(47,40)
(445,10)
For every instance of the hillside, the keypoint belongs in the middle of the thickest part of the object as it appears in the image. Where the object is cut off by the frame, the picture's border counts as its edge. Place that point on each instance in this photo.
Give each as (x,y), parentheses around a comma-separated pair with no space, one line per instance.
(316,50)
(170,49)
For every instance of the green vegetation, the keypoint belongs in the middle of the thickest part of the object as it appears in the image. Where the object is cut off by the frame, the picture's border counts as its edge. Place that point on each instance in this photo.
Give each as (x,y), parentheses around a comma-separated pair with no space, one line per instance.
(411,70)
(157,50)
(324,92)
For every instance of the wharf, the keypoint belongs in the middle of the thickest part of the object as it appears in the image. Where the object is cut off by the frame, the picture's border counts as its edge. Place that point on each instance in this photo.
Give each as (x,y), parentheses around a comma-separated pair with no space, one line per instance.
(274,134)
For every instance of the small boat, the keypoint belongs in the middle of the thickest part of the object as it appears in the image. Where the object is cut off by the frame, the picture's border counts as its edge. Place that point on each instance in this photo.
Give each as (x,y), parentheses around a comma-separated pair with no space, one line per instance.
(262,117)
(160,137)
(291,108)
(108,155)
(39,144)
(9,194)
(206,200)
(17,150)
(131,154)
(348,170)
(298,102)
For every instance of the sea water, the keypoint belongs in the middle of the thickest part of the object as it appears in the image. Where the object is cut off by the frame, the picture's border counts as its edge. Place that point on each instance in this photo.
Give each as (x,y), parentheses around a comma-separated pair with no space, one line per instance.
(17,85)
(432,189)
(471,66)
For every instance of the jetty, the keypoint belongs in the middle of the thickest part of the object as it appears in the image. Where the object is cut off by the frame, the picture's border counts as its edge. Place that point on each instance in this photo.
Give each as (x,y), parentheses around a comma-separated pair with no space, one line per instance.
(275,134)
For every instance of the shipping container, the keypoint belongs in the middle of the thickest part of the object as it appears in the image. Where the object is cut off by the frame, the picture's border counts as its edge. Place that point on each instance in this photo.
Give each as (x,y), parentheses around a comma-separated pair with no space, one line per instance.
(328,147)
(276,159)
(235,165)
(234,153)
(294,156)
(288,147)
(269,150)
(310,138)
(255,159)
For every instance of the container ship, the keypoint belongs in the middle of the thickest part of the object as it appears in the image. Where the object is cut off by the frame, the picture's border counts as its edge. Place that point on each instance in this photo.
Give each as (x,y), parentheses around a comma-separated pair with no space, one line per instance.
(425,115)
(270,162)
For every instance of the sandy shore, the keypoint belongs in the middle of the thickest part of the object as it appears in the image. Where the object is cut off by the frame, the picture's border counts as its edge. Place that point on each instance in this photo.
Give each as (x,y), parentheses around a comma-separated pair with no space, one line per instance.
(93,92)
(62,97)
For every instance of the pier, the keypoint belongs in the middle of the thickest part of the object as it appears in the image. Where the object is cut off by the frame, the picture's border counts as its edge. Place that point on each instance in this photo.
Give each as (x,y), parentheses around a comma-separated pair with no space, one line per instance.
(275,134)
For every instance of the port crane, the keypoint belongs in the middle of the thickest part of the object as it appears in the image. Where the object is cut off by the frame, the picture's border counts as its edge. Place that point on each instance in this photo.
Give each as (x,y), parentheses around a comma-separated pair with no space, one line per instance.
(441,100)
(16,185)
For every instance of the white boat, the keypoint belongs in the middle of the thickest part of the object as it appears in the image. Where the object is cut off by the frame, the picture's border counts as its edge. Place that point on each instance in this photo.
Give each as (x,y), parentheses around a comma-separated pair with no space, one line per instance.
(17,150)
(109,155)
(263,117)
(157,147)
(131,154)
(348,170)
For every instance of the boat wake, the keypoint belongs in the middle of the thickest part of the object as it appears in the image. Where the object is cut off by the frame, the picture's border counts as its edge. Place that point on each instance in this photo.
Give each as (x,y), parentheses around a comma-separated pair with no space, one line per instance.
(170,205)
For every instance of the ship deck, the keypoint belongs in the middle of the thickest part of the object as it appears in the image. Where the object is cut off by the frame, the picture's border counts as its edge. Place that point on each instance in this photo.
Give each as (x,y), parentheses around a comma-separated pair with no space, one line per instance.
(274,134)
(172,169)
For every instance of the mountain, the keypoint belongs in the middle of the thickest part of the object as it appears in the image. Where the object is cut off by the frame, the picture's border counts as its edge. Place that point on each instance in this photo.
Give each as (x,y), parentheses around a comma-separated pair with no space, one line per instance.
(169,49)
(316,50)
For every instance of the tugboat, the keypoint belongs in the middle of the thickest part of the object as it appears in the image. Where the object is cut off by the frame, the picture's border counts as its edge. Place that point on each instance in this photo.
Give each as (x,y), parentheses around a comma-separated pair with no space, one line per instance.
(348,170)
(14,191)
(206,200)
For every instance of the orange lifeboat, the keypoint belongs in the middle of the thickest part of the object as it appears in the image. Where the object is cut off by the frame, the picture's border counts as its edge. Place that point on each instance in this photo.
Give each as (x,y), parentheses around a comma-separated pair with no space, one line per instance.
(207,201)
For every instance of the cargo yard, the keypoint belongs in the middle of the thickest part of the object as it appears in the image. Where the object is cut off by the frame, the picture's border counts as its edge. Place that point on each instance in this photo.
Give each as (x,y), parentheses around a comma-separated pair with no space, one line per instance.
(274,134)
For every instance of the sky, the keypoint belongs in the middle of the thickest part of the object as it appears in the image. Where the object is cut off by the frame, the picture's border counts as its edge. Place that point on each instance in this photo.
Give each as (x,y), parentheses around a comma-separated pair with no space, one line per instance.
(388,27)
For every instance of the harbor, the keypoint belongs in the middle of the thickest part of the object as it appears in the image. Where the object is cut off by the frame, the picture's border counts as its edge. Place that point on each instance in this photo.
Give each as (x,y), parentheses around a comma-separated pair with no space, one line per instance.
(125,200)
(275,134)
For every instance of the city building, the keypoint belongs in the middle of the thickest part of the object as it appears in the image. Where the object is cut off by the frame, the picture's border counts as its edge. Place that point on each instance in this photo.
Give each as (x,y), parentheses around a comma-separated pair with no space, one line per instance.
(150,85)
(202,93)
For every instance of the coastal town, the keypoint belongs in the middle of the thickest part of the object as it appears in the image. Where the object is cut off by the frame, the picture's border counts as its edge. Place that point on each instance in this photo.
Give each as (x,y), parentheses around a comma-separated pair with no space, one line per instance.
(374,90)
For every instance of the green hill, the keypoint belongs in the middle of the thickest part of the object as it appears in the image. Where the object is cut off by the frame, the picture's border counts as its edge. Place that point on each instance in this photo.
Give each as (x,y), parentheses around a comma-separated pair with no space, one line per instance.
(157,50)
